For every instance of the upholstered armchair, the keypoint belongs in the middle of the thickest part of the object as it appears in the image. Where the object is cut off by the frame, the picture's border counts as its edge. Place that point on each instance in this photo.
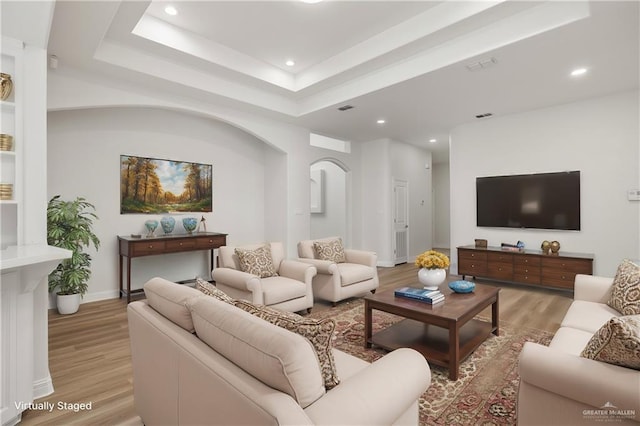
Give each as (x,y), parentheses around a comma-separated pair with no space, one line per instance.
(342,273)
(260,274)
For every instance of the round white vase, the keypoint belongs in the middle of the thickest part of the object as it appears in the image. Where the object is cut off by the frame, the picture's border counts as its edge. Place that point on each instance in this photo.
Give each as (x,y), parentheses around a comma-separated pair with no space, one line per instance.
(431,278)
(68,303)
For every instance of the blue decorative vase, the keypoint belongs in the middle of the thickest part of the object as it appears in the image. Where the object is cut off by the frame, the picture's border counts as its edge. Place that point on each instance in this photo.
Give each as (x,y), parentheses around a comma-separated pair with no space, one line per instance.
(189,224)
(151,226)
(167,223)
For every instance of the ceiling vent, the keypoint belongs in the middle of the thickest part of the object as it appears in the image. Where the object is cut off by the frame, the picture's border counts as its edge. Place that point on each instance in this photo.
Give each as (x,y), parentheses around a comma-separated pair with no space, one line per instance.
(482,64)
(345,107)
(485,115)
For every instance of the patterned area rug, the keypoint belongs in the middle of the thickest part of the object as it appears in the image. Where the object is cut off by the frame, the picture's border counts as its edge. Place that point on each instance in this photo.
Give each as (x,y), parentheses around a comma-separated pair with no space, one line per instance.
(485,393)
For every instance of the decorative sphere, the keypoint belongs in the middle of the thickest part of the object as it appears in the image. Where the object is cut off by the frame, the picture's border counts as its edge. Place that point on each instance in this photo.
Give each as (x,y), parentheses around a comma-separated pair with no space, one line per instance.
(546,246)
(189,224)
(555,246)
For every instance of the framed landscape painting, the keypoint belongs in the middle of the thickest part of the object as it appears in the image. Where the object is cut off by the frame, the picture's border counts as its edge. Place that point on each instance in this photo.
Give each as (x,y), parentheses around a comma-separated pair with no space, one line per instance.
(150,185)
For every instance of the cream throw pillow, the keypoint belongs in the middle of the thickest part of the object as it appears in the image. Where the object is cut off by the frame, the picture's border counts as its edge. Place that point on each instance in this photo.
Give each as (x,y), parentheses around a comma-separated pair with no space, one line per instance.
(625,291)
(257,262)
(318,332)
(617,342)
(332,250)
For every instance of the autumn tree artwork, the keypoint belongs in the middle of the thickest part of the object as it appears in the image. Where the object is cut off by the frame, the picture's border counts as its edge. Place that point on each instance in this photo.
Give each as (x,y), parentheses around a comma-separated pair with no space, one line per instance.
(149,185)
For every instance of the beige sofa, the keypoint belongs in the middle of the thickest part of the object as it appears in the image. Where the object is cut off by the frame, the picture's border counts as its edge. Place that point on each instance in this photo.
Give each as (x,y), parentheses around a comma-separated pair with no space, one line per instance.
(237,369)
(558,387)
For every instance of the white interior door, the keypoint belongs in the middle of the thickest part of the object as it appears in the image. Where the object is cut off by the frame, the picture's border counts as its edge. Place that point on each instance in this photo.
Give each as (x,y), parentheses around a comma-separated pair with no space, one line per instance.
(400,221)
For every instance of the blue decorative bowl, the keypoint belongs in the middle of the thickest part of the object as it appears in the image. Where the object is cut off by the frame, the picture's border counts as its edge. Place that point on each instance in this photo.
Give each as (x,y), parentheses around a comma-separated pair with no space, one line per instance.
(189,224)
(151,226)
(462,286)
(167,224)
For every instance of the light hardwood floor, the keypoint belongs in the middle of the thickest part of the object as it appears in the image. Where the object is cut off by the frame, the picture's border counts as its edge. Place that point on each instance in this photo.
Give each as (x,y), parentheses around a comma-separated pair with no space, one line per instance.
(90,361)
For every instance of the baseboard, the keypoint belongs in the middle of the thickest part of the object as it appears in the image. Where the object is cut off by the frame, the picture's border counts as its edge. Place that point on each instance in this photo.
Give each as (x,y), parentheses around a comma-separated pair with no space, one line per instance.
(89,297)
(42,387)
(385,264)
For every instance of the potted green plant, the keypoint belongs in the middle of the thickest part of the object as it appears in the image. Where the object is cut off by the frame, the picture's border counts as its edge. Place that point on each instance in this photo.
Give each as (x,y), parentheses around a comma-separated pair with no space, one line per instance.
(70,226)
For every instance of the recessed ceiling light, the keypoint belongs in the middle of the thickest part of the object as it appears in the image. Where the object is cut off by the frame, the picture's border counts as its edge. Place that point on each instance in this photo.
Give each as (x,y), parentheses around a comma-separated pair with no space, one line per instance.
(170,10)
(578,71)
(381,121)
(433,140)
(290,63)
(310,1)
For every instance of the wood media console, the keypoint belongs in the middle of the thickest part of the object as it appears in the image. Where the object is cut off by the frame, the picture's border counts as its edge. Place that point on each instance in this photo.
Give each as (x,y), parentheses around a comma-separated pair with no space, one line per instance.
(530,267)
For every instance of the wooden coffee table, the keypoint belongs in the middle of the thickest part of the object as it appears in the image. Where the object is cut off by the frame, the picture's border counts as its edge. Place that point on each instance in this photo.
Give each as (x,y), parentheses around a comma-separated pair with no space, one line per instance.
(445,333)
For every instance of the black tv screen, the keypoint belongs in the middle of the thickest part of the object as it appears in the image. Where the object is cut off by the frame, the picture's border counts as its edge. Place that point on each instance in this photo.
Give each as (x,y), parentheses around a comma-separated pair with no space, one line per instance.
(540,201)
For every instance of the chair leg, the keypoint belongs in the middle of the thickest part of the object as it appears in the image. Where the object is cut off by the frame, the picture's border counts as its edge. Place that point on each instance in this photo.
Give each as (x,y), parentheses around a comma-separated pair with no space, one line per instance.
(308,311)
(373,291)
(334,304)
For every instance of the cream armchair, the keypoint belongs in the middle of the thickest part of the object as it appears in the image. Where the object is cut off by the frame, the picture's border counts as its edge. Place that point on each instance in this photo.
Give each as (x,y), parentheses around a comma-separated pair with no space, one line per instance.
(289,290)
(338,281)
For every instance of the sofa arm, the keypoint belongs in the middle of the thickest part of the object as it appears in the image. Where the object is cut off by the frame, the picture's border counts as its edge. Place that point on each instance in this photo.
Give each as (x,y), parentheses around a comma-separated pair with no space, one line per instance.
(299,271)
(322,266)
(368,258)
(377,395)
(592,288)
(237,279)
(589,382)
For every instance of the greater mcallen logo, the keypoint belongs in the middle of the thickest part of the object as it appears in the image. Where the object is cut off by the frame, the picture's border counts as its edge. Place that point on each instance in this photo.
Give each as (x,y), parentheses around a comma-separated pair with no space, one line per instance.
(609,412)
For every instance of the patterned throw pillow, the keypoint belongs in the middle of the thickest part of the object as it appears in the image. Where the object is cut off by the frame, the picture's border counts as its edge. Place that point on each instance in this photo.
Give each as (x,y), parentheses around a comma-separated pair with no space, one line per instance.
(318,332)
(211,290)
(625,291)
(332,250)
(257,262)
(617,342)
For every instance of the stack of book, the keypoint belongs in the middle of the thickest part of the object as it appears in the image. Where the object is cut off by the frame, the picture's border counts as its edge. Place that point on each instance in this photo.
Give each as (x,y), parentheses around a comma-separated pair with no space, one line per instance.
(428,296)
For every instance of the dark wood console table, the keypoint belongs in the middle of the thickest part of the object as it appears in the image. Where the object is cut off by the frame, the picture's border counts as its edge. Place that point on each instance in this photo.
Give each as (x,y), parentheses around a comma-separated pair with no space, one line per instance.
(530,267)
(131,247)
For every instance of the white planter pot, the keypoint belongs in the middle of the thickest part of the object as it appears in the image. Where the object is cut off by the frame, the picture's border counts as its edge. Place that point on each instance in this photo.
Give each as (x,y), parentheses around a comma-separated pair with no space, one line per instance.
(68,304)
(431,278)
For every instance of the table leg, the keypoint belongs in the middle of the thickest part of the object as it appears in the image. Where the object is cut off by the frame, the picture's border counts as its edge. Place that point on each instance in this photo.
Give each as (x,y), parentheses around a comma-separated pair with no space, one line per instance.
(367,324)
(454,351)
(120,276)
(495,321)
(128,279)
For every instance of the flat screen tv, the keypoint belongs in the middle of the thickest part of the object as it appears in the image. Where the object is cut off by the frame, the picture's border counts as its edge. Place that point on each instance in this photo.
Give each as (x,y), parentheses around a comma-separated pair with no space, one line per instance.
(539,201)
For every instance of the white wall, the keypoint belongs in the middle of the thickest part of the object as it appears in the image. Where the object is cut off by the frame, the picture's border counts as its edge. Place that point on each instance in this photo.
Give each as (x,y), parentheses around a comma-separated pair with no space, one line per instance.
(382,161)
(599,137)
(332,220)
(413,164)
(83,157)
(441,202)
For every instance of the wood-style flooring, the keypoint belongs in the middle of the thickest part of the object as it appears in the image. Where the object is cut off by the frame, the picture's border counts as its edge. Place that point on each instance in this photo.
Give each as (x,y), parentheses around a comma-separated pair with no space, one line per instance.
(90,362)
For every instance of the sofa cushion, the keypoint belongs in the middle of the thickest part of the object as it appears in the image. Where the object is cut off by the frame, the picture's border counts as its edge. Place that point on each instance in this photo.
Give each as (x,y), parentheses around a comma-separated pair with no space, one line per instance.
(318,332)
(588,316)
(211,290)
(169,300)
(331,250)
(625,290)
(277,357)
(352,273)
(617,342)
(280,289)
(570,340)
(257,261)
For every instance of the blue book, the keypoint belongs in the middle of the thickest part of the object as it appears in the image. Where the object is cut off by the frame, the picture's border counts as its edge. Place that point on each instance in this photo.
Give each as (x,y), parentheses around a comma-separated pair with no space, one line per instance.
(428,296)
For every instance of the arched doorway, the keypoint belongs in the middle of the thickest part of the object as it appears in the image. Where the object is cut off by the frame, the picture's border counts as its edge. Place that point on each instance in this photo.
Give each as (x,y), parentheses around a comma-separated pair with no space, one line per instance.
(330,200)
